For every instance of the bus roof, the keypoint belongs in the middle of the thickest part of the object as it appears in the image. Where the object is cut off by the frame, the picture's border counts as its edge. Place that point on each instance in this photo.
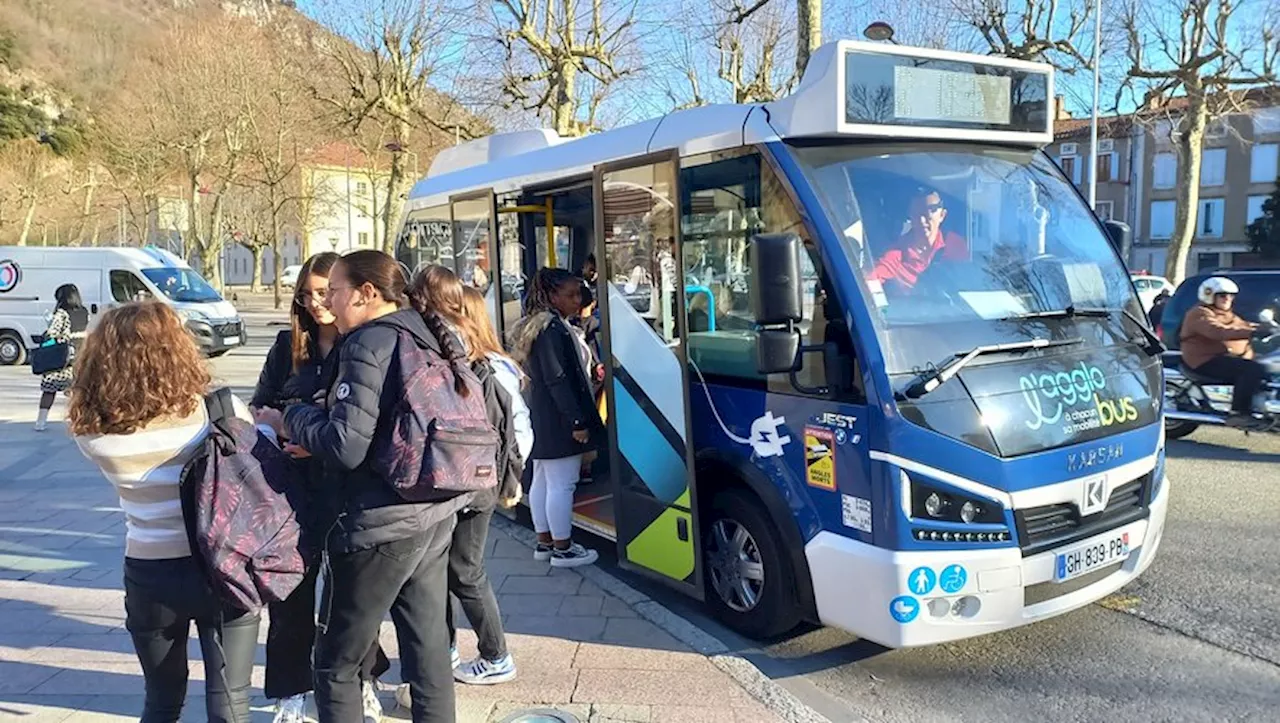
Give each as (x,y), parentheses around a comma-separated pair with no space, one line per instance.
(850,90)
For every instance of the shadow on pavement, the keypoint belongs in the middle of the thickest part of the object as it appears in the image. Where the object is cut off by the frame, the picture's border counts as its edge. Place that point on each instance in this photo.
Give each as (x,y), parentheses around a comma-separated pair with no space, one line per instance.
(1194,449)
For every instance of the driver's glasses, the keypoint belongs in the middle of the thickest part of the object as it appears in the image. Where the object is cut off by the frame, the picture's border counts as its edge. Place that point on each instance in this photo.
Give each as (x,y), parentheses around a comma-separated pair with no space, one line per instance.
(305,295)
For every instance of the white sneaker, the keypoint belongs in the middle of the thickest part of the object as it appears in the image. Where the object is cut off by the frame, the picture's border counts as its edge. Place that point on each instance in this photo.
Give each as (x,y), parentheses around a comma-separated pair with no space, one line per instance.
(372,706)
(292,709)
(574,556)
(542,552)
(486,672)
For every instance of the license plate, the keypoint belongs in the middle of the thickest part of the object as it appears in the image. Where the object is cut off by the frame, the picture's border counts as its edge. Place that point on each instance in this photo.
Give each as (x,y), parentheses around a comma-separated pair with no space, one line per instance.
(230,340)
(1094,554)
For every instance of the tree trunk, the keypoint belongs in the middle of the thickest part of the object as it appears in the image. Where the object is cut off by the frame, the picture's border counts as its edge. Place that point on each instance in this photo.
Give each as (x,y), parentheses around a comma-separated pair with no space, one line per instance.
(27,218)
(277,262)
(255,285)
(808,32)
(213,242)
(564,110)
(86,208)
(392,205)
(1190,147)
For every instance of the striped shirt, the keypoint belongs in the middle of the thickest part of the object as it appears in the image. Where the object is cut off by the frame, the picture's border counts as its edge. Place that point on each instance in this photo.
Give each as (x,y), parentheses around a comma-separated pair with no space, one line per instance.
(145,468)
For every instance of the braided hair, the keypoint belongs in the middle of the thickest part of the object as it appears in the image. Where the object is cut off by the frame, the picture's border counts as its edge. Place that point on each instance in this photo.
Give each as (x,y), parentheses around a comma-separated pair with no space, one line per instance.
(545,283)
(451,350)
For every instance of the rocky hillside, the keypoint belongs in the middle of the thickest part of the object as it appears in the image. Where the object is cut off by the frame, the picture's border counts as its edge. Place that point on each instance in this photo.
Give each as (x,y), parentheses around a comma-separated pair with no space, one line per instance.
(58,58)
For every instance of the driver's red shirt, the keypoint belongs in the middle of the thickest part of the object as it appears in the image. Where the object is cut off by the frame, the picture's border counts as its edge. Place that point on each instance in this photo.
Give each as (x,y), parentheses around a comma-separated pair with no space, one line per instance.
(905,262)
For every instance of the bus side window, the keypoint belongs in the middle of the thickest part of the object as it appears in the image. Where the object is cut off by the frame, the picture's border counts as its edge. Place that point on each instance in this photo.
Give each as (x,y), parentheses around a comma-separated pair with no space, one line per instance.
(727,199)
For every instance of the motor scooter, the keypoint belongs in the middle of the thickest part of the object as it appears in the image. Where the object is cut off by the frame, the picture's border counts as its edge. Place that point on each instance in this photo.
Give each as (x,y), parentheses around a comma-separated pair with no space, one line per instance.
(1192,399)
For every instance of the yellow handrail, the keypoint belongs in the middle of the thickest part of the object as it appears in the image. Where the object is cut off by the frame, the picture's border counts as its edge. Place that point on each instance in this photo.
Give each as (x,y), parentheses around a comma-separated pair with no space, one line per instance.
(549,210)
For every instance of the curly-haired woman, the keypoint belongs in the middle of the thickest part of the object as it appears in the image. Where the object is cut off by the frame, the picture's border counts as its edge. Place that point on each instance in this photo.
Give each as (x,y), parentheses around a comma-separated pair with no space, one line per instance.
(137,411)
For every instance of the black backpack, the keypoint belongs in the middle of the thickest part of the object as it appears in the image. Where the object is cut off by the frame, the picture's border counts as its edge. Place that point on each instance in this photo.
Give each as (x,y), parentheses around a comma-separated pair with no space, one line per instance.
(510,465)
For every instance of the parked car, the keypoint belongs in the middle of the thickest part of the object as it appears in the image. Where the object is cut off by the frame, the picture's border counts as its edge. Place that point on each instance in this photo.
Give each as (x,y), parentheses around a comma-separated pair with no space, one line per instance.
(1149,287)
(1258,290)
(289,277)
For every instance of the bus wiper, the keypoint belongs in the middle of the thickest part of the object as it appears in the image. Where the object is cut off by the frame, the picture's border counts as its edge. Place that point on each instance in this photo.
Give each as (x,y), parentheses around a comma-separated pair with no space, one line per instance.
(932,380)
(1153,346)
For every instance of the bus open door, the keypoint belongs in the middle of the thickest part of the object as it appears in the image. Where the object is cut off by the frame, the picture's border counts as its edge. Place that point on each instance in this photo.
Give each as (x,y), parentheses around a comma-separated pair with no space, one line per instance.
(643,328)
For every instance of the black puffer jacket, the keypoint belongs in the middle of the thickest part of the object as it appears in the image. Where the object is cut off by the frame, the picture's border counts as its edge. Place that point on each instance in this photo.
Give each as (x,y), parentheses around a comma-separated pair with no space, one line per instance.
(365,388)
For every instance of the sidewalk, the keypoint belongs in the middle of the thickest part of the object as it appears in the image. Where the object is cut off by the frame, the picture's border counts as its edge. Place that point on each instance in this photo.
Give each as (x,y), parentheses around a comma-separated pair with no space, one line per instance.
(65,656)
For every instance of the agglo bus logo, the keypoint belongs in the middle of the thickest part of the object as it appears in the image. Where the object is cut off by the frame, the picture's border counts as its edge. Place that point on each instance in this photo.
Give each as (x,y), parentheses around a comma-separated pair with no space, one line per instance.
(1074,399)
(10,275)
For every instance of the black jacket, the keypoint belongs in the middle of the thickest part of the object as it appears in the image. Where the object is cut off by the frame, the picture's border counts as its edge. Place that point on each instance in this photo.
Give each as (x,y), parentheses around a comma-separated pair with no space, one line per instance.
(279,385)
(558,394)
(365,388)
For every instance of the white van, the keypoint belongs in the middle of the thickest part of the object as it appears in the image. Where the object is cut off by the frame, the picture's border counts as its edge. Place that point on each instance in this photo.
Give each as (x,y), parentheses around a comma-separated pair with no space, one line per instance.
(106,277)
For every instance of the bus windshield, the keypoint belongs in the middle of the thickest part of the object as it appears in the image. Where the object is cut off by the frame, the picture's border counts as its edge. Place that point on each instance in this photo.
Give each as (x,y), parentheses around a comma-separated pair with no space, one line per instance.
(955,246)
(182,285)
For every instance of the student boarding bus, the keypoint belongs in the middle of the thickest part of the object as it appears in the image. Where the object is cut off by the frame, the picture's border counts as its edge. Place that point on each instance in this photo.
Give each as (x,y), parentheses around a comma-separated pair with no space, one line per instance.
(871,360)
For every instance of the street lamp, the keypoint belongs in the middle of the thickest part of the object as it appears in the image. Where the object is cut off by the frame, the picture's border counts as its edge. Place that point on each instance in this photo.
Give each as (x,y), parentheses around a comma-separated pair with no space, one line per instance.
(879,31)
(1093,125)
(398,147)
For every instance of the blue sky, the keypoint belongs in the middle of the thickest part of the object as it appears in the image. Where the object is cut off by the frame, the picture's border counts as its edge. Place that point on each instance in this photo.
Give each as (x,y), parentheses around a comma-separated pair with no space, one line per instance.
(664,30)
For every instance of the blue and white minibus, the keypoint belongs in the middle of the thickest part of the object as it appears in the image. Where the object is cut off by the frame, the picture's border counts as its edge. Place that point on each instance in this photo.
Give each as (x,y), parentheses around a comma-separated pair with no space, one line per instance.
(870,359)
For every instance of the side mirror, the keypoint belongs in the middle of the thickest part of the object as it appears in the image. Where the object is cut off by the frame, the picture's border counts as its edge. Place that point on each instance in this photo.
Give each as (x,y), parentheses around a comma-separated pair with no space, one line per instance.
(1119,234)
(777,351)
(775,276)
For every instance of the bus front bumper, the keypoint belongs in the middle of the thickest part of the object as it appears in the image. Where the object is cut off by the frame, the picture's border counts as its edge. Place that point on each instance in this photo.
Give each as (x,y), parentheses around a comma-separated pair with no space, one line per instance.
(868,591)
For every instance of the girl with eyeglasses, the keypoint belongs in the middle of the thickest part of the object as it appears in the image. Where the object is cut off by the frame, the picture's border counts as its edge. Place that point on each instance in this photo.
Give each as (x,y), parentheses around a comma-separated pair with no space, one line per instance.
(295,372)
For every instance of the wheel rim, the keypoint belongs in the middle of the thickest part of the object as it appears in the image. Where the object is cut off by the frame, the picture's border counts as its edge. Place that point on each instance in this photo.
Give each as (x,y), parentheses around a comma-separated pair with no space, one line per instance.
(737,572)
(8,351)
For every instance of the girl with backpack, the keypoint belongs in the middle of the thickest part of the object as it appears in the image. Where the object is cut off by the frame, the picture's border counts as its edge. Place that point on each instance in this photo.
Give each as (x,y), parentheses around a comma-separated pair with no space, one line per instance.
(384,553)
(437,291)
(70,319)
(137,411)
(294,373)
(563,410)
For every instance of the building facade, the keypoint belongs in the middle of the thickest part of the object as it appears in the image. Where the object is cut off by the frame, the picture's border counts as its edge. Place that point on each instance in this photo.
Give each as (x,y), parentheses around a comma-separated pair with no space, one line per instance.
(1137,180)
(343,197)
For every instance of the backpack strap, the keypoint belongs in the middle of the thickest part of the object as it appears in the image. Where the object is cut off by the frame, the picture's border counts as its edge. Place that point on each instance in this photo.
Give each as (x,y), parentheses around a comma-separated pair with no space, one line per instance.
(220,407)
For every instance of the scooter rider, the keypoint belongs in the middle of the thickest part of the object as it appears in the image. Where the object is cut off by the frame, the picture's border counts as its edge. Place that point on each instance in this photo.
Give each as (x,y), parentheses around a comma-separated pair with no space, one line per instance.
(1215,343)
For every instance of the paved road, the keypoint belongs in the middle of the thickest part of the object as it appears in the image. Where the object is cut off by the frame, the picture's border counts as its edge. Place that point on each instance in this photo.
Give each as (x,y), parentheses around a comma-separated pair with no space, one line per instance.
(1197,638)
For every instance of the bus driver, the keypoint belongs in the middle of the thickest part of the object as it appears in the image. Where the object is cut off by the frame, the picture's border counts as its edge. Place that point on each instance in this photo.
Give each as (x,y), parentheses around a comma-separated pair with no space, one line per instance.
(923,242)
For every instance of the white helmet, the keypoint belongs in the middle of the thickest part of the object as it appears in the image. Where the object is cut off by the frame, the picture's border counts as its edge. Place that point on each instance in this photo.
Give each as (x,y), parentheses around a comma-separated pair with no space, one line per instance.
(1215,285)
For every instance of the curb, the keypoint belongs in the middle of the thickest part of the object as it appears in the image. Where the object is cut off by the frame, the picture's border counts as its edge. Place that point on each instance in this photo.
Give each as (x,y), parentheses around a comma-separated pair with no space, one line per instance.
(773,696)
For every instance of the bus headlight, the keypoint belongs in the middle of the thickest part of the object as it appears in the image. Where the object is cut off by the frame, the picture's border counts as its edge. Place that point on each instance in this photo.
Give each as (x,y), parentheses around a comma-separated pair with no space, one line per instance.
(932,503)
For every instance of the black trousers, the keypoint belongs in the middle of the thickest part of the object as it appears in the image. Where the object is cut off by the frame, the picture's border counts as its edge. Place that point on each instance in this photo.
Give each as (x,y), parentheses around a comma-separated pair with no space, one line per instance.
(161,599)
(291,636)
(469,583)
(1245,374)
(408,578)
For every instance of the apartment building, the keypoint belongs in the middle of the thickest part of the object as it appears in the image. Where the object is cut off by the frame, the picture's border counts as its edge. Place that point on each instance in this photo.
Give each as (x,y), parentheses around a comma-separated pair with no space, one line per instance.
(1137,178)
(1118,162)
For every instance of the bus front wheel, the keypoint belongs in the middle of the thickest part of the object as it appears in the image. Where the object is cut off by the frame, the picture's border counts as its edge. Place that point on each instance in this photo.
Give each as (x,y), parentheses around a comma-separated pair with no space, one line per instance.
(748,587)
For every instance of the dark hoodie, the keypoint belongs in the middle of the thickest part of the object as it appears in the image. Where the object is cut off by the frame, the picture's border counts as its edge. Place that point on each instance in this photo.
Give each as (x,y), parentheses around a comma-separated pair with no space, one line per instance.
(359,402)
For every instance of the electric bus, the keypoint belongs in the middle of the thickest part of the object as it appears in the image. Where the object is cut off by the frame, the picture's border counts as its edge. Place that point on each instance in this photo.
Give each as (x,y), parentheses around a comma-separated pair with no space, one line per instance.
(870,359)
